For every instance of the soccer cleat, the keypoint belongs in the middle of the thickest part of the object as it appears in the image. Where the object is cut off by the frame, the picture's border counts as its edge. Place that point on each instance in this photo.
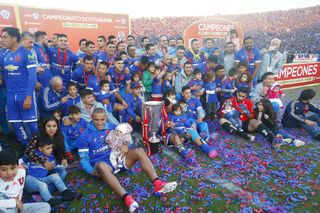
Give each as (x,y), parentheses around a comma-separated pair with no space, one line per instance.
(131,203)
(164,188)
(212,154)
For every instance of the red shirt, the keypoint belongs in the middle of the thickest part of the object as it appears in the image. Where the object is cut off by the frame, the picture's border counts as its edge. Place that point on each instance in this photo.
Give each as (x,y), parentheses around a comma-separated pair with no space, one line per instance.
(243,116)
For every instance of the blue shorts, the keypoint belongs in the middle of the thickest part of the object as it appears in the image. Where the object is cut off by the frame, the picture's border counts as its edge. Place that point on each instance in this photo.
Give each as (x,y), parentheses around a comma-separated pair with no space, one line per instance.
(16,113)
(108,162)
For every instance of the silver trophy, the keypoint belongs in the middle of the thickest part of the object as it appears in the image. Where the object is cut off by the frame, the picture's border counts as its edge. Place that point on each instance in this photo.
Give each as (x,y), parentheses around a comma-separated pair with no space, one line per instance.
(152,119)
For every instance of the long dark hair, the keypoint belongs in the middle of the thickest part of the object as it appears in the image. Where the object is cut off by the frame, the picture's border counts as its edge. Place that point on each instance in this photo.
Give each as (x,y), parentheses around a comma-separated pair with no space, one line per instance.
(268,110)
(57,140)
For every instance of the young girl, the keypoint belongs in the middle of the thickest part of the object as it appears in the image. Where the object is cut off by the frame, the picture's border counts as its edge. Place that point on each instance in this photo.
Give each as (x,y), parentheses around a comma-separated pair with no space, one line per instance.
(275,94)
(211,95)
(157,84)
(265,113)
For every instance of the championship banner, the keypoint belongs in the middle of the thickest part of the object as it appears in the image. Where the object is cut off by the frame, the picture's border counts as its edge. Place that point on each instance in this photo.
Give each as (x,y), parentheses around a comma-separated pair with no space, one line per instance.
(299,75)
(76,25)
(210,28)
(7,16)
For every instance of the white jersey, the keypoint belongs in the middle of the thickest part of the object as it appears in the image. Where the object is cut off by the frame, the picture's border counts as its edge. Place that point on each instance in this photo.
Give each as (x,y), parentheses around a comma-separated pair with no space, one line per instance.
(10,190)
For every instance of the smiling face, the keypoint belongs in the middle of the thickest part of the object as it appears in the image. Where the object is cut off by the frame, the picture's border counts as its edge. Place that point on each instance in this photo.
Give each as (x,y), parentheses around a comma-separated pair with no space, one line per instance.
(8,172)
(99,120)
(63,43)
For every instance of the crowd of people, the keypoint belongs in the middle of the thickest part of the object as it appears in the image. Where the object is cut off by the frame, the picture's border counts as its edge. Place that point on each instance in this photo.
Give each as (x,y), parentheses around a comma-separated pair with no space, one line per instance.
(89,102)
(297,28)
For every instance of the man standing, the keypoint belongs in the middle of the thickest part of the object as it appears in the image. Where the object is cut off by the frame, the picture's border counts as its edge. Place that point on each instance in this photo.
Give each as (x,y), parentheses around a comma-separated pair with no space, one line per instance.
(251,56)
(183,78)
(194,55)
(82,74)
(272,59)
(228,57)
(82,47)
(95,153)
(21,76)
(63,61)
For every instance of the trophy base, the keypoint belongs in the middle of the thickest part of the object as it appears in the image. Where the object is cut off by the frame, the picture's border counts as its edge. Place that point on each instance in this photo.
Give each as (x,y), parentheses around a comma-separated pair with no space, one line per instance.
(154,145)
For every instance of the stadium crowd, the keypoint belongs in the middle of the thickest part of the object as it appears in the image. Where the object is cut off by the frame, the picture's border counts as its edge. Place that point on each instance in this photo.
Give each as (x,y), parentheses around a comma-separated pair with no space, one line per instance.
(89,102)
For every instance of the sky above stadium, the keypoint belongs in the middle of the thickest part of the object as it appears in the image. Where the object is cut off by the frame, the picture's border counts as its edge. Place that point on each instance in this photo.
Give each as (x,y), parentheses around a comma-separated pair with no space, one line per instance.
(149,8)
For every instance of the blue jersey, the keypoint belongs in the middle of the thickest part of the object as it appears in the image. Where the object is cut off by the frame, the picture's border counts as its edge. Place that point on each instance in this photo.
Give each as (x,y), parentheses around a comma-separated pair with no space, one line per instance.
(209,51)
(20,71)
(119,80)
(211,95)
(166,86)
(194,58)
(196,92)
(182,123)
(134,68)
(157,87)
(243,85)
(104,57)
(71,101)
(38,170)
(94,84)
(102,95)
(152,58)
(95,58)
(44,61)
(195,109)
(134,105)
(130,61)
(62,63)
(250,57)
(204,68)
(92,144)
(227,86)
(81,77)
(74,131)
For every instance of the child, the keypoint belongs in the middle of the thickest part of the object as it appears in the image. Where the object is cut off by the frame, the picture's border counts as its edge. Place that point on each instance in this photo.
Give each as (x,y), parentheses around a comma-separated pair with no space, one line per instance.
(275,94)
(105,96)
(228,86)
(211,95)
(242,67)
(135,77)
(147,79)
(72,132)
(244,81)
(174,67)
(58,115)
(73,96)
(169,80)
(186,128)
(232,115)
(119,141)
(156,94)
(196,84)
(170,95)
(220,76)
(12,180)
(39,177)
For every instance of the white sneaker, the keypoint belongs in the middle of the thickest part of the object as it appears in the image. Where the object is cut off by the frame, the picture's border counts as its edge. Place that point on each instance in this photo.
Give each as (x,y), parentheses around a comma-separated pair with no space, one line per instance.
(133,207)
(298,143)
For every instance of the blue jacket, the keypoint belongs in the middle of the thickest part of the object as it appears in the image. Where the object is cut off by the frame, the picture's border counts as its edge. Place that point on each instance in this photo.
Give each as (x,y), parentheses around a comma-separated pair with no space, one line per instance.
(50,100)
(38,170)
(134,105)
(92,147)
(294,115)
(195,109)
(72,132)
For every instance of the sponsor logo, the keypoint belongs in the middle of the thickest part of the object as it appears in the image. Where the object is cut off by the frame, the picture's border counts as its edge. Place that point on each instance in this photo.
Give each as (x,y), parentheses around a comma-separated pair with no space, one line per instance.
(5,14)
(11,67)
(30,57)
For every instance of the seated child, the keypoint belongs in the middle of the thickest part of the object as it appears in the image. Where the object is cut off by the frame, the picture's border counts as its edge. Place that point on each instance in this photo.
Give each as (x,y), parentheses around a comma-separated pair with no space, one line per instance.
(275,94)
(72,132)
(232,115)
(12,180)
(106,95)
(39,177)
(196,84)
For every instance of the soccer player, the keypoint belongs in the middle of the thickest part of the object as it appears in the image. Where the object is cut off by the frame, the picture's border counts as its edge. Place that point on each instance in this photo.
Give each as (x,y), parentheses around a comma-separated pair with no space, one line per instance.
(21,76)
(63,61)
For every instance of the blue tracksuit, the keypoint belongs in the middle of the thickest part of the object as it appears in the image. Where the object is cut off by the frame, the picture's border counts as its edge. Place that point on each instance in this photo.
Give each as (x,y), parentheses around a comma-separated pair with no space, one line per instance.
(104,57)
(71,101)
(182,123)
(92,147)
(134,107)
(226,88)
(193,82)
(50,101)
(107,95)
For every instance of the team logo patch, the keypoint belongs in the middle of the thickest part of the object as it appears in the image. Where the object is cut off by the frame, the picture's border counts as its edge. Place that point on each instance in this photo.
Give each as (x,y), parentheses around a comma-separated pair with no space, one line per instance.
(17,58)
(5,14)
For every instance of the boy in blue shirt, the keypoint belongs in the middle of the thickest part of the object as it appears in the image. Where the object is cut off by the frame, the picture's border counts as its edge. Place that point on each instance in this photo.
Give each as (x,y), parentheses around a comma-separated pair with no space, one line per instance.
(229,85)
(106,95)
(38,177)
(73,96)
(73,131)
(196,84)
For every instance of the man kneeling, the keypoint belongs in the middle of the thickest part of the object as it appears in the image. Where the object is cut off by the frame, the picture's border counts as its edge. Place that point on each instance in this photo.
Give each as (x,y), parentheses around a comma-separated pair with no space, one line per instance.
(95,159)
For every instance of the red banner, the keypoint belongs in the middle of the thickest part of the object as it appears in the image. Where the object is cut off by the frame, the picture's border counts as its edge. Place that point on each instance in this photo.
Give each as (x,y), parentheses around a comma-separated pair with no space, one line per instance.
(76,25)
(210,28)
(7,17)
(299,75)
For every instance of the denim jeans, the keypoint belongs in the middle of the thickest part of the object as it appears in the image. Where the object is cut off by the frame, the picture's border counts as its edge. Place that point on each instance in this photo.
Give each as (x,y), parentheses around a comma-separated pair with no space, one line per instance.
(312,130)
(40,207)
(41,185)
